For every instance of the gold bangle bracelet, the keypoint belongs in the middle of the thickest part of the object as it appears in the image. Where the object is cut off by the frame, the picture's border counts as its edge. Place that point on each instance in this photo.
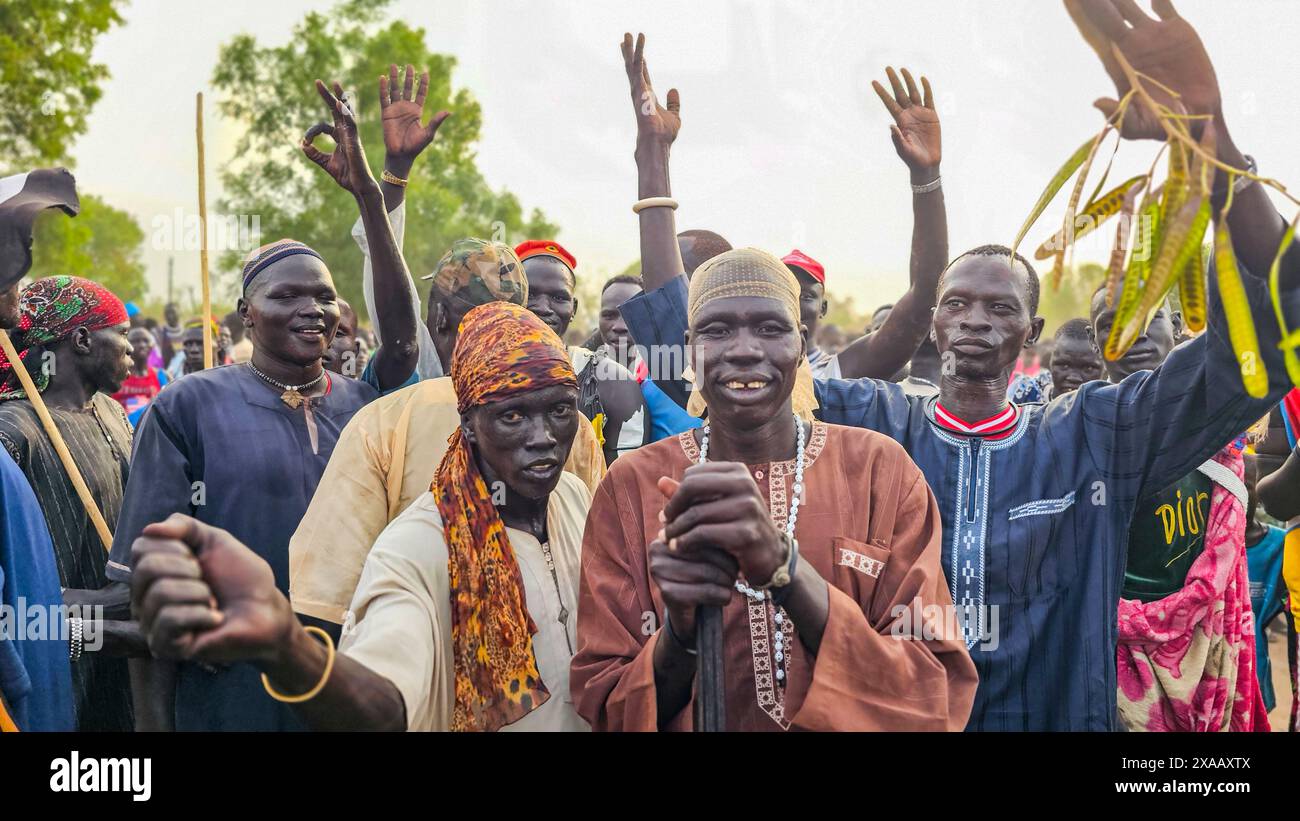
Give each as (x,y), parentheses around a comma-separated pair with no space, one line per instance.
(392,179)
(320,685)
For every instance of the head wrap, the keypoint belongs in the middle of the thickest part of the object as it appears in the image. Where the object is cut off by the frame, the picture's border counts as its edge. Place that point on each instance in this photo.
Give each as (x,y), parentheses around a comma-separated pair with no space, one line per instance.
(503,351)
(50,310)
(262,258)
(546,248)
(807,264)
(750,272)
(196,324)
(22,198)
(479,271)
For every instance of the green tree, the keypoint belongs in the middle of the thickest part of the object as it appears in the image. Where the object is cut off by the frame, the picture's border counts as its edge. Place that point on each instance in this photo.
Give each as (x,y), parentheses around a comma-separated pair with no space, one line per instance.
(268,92)
(102,243)
(50,82)
(1072,299)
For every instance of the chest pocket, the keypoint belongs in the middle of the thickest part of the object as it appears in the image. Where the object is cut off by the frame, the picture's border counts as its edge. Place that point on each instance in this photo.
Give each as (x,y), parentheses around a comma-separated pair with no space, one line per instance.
(857,568)
(1036,564)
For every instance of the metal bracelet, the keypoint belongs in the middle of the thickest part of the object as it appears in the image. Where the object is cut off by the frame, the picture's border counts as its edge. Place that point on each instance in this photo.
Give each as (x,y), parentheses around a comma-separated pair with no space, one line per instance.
(76,640)
(1242,182)
(925,188)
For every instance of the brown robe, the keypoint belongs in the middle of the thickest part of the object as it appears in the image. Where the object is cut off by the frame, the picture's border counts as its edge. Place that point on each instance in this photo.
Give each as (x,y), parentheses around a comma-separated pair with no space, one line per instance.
(869,525)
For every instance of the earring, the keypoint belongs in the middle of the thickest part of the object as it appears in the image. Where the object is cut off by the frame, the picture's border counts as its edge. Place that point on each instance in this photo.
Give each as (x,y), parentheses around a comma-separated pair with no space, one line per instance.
(688,373)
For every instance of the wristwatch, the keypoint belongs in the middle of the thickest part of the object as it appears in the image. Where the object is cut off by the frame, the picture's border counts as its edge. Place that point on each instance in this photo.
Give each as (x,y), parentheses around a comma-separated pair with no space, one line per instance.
(785,572)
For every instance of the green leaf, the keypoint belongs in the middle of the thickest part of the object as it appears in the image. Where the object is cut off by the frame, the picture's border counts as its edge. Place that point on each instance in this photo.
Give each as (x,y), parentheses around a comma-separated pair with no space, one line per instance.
(1064,173)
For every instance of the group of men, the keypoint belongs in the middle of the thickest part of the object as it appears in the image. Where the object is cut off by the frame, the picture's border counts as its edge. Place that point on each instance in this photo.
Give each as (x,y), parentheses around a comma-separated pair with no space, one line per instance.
(487,529)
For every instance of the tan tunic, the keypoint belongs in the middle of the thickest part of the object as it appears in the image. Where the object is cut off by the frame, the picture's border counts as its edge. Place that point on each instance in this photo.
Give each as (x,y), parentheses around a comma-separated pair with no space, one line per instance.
(399,624)
(384,459)
(869,525)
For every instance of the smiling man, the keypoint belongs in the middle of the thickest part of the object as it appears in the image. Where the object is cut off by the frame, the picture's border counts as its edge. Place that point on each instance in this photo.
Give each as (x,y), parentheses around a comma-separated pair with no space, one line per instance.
(813,538)
(242,448)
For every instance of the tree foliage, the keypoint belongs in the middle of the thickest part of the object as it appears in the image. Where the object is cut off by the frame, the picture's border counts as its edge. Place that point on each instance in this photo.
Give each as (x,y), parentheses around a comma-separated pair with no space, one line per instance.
(268,92)
(50,82)
(102,243)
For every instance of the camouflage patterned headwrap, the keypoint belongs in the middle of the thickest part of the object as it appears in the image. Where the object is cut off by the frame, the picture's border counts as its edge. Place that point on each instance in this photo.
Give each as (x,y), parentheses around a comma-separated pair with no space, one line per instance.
(478,271)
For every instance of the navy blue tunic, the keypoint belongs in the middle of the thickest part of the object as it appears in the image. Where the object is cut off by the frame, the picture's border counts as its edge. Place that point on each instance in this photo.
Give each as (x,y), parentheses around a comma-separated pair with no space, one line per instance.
(220,445)
(1036,524)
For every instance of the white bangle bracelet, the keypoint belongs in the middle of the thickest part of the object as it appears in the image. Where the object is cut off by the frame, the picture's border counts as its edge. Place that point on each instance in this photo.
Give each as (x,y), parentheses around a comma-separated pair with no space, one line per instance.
(926,188)
(654,202)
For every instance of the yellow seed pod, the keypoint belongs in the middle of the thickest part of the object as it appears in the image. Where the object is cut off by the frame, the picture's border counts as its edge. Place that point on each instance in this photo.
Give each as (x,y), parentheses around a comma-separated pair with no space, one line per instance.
(1236,310)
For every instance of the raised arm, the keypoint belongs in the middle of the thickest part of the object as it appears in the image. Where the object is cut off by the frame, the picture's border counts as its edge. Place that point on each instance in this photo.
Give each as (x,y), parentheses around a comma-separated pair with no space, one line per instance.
(394,291)
(1185,410)
(656,128)
(917,140)
(1168,51)
(404,140)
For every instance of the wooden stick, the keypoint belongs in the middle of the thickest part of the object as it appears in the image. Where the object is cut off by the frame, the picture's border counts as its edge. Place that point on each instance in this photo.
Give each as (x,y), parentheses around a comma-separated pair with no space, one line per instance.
(710,676)
(203,242)
(56,438)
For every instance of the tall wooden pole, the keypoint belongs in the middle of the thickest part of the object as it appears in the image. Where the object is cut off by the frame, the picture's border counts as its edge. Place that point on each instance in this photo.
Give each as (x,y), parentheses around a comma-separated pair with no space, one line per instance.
(710,677)
(203,242)
(56,438)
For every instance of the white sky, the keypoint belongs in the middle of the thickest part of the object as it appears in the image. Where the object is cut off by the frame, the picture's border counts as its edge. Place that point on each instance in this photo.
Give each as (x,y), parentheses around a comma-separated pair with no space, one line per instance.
(783,141)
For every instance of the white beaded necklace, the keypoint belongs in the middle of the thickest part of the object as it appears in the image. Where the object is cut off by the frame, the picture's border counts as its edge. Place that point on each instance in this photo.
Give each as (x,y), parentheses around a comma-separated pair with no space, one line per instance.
(760,602)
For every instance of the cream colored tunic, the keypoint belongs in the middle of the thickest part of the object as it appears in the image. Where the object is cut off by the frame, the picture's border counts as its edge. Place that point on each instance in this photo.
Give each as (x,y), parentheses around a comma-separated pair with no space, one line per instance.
(399,624)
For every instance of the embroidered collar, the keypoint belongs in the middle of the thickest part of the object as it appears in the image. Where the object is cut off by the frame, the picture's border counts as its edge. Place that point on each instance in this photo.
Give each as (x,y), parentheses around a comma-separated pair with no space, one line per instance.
(995,427)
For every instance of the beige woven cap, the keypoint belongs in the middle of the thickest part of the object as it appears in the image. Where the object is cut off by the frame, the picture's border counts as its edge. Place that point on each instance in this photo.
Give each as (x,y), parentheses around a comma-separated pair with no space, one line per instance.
(750,272)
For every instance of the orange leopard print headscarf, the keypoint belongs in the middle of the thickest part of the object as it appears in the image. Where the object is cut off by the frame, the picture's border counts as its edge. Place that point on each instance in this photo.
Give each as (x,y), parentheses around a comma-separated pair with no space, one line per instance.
(503,350)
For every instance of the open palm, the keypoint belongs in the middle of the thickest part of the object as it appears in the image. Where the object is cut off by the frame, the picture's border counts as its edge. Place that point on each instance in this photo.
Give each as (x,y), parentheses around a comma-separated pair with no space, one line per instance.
(404,136)
(654,122)
(1167,50)
(916,123)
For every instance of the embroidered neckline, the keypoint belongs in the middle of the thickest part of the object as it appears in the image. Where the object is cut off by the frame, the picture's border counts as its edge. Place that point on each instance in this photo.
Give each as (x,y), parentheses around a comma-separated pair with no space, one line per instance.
(816,443)
(998,425)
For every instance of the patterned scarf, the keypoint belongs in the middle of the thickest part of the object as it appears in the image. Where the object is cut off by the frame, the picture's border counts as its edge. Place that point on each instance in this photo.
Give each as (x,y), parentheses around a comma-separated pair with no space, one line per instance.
(50,310)
(1187,661)
(503,351)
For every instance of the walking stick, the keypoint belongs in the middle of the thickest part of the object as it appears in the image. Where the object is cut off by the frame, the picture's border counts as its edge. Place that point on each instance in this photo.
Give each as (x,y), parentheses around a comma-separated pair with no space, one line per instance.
(710,679)
(56,438)
(203,242)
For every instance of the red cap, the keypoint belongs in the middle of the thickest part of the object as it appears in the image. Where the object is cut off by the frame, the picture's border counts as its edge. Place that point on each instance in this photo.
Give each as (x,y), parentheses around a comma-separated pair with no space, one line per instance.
(807,264)
(545,248)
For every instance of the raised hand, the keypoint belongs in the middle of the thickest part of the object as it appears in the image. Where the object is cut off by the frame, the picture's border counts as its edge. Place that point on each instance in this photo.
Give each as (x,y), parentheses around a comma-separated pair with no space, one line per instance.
(916,124)
(654,123)
(1167,50)
(404,137)
(347,162)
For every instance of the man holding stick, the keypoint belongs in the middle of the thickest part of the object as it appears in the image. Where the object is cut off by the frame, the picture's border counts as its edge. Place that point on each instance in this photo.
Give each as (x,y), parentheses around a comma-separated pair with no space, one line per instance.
(72,337)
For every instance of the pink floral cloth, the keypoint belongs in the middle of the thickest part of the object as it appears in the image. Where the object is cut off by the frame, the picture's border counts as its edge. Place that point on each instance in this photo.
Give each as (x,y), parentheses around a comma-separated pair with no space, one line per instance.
(1187,662)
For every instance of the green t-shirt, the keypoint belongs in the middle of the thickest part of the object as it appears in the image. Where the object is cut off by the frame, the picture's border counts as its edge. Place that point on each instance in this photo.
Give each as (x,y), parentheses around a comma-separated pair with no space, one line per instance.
(1167,534)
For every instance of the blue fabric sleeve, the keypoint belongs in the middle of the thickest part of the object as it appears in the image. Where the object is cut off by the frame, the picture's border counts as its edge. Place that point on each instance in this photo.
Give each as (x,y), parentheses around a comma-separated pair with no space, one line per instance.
(368,376)
(1155,427)
(657,322)
(864,403)
(161,486)
(666,417)
(34,672)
